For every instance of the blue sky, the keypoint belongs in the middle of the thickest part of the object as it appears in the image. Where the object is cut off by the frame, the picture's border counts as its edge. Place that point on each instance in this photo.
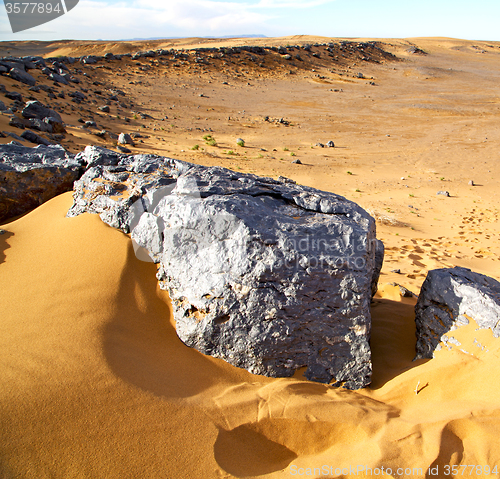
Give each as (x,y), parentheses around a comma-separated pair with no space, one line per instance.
(115,19)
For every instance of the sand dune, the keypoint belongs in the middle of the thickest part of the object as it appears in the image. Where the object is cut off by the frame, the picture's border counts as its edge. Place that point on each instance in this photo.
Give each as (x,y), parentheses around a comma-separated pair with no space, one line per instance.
(95,382)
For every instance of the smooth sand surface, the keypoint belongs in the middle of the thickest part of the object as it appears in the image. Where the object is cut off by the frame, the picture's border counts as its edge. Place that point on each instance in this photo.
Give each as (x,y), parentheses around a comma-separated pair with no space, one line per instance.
(95,382)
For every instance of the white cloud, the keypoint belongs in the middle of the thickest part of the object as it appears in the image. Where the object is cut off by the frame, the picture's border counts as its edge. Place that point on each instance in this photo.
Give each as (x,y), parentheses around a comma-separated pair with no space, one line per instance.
(290,3)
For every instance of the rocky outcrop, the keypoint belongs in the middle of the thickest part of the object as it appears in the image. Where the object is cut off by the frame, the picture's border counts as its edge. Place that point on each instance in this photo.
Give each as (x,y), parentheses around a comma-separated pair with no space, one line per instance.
(31,176)
(265,274)
(450,298)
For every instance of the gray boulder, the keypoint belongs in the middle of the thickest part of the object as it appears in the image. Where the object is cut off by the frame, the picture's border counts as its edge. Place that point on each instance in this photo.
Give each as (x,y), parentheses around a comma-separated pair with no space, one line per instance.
(35,109)
(58,78)
(125,139)
(31,176)
(22,76)
(265,274)
(32,137)
(450,298)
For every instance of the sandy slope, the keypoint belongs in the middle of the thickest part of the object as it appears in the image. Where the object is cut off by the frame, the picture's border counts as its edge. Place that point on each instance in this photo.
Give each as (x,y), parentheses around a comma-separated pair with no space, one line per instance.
(95,382)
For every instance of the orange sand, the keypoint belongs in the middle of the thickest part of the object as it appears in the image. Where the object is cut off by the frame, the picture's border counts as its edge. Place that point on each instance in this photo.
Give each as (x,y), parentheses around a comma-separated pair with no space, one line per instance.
(95,382)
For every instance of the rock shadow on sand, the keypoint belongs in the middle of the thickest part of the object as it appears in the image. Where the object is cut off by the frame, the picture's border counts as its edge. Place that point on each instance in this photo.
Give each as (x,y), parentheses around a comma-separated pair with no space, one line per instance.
(141,345)
(4,245)
(393,339)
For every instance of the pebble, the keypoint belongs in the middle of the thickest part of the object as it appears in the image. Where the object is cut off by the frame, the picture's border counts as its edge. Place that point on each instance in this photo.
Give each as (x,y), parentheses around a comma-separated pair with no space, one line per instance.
(2,232)
(471,183)
(443,193)
(297,162)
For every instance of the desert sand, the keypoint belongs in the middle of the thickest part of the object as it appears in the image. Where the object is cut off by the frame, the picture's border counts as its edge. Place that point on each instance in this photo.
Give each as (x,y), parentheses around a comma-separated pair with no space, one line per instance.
(95,382)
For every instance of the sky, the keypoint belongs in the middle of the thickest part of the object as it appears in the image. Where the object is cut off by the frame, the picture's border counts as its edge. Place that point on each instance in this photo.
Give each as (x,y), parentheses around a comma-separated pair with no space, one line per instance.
(128,19)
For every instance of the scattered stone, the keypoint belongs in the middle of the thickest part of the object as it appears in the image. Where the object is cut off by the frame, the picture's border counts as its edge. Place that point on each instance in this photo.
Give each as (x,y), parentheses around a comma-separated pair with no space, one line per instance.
(397,271)
(123,149)
(240,142)
(404,292)
(125,139)
(320,145)
(56,126)
(59,78)
(89,60)
(22,76)
(32,137)
(91,124)
(31,176)
(415,50)
(13,135)
(35,109)
(77,96)
(450,298)
(39,125)
(443,193)
(330,144)
(297,162)
(471,183)
(294,285)
(105,108)
(14,95)
(18,123)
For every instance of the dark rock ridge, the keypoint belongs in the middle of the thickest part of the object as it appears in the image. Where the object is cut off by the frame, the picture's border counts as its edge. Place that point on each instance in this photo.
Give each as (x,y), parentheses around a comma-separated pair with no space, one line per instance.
(450,298)
(265,274)
(31,176)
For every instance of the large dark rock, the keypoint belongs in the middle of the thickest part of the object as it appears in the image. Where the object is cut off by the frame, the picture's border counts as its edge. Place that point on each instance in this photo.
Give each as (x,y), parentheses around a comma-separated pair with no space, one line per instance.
(31,176)
(35,109)
(266,274)
(32,137)
(450,298)
(22,76)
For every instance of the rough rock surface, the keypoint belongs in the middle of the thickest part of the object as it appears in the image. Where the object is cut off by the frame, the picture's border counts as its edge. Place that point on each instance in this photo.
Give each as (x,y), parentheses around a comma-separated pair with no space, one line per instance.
(450,298)
(263,273)
(31,176)
(34,109)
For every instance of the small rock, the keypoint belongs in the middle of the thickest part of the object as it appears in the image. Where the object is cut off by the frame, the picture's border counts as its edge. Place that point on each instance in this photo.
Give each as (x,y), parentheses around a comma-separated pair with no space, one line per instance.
(297,162)
(123,149)
(2,232)
(330,144)
(125,139)
(240,142)
(105,108)
(34,109)
(34,138)
(471,183)
(91,124)
(22,77)
(320,145)
(443,193)
(18,123)
(397,271)
(451,298)
(14,95)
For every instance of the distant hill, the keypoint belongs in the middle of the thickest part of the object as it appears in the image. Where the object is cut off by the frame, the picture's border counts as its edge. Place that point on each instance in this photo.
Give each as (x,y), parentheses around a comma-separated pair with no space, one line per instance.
(175,38)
